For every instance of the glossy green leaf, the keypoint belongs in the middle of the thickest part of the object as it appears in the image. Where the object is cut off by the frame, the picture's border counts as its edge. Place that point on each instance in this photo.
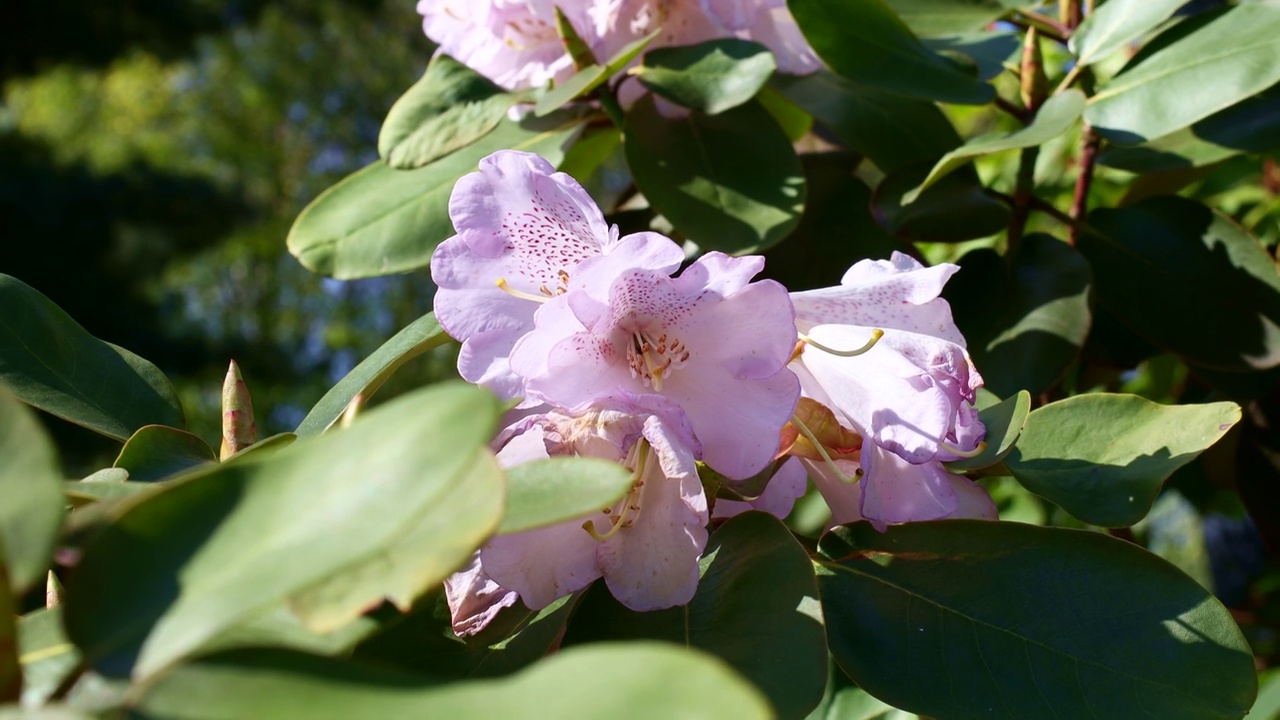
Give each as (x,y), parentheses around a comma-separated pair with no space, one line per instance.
(1248,126)
(89,491)
(1117,24)
(156,452)
(617,681)
(1104,457)
(1004,422)
(890,130)
(1267,706)
(1026,317)
(49,361)
(711,76)
(380,221)
(988,51)
(844,700)
(10,667)
(866,42)
(451,107)
(756,608)
(1173,270)
(47,656)
(729,182)
(323,524)
(945,17)
(1235,56)
(31,487)
(550,491)
(280,628)
(1041,635)
(575,86)
(364,379)
(955,208)
(1057,116)
(423,641)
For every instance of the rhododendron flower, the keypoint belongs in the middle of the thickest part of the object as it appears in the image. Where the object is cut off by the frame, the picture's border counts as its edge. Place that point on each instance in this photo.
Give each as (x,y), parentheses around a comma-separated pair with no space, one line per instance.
(646,547)
(522,229)
(910,392)
(779,496)
(709,342)
(515,43)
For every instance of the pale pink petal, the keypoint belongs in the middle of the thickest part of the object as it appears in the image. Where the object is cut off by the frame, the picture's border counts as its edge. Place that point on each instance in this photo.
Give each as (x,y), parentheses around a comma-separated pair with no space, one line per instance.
(972,500)
(474,598)
(896,491)
(785,487)
(843,498)
(544,564)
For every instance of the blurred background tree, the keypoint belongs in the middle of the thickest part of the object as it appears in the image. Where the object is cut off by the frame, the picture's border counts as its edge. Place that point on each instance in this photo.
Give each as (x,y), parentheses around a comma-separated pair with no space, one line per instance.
(152,158)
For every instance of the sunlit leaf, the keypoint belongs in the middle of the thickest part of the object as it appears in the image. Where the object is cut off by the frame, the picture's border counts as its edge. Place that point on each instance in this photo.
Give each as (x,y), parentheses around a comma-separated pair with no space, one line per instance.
(31,505)
(546,492)
(1116,24)
(712,76)
(1004,423)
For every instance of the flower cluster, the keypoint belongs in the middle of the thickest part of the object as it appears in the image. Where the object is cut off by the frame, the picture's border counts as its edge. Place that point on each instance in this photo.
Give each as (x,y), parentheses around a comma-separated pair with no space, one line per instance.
(614,351)
(515,42)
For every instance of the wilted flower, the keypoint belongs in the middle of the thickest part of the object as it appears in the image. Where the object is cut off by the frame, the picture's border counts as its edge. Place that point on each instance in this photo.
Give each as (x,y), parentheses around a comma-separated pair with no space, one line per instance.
(515,42)
(882,351)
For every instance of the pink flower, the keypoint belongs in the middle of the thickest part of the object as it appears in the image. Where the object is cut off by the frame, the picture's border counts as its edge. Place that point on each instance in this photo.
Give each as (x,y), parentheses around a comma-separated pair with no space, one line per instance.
(779,496)
(515,43)
(646,548)
(709,345)
(524,225)
(910,393)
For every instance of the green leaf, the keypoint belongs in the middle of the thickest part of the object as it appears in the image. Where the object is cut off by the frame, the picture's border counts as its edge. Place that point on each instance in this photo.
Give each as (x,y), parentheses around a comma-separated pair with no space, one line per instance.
(380,221)
(1173,270)
(711,76)
(1117,24)
(156,452)
(1248,126)
(988,51)
(955,208)
(451,107)
(49,361)
(1004,422)
(866,42)
(324,524)
(47,656)
(891,130)
(31,487)
(944,17)
(1103,457)
(756,608)
(10,667)
(1231,58)
(280,628)
(1026,317)
(364,379)
(968,618)
(616,681)
(1057,116)
(423,641)
(550,491)
(1267,706)
(91,490)
(729,182)
(580,83)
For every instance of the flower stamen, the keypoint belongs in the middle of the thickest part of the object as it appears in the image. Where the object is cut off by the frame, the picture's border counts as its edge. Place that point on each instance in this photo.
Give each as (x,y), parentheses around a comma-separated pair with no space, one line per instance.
(826,457)
(506,288)
(875,338)
(981,448)
(629,509)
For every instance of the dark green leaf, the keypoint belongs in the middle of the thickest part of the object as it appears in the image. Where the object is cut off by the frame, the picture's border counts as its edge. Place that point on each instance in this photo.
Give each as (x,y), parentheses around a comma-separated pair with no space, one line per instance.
(1227,60)
(451,107)
(617,681)
(364,379)
(1004,422)
(945,17)
(1174,271)
(47,656)
(729,182)
(712,76)
(423,642)
(967,618)
(1026,317)
(866,42)
(1248,126)
(30,496)
(955,208)
(10,666)
(987,50)
(890,130)
(755,608)
(381,221)
(1116,24)
(550,491)
(1057,116)
(49,361)
(323,524)
(1103,457)
(156,452)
